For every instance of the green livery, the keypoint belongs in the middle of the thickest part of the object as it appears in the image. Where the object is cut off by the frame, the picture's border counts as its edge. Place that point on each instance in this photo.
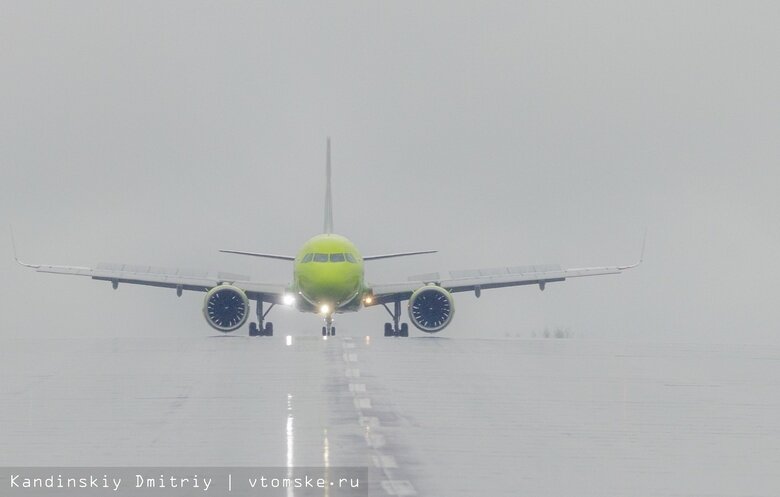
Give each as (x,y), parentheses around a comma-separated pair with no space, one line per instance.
(328,275)
(328,278)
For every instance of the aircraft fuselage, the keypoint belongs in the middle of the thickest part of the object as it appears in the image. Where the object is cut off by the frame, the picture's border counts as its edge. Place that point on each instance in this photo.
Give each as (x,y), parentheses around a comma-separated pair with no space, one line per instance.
(328,275)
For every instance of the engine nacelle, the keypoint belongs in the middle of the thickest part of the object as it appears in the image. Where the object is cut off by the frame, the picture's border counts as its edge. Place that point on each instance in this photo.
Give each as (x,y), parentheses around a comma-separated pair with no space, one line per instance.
(226,308)
(431,308)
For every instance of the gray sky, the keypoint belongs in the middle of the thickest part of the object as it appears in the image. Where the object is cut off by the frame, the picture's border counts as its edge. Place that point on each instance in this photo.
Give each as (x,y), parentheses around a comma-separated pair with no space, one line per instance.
(498,133)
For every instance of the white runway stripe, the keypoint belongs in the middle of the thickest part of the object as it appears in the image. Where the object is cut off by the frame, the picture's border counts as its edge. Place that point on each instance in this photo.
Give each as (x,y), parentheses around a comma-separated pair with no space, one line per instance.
(398,487)
(384,461)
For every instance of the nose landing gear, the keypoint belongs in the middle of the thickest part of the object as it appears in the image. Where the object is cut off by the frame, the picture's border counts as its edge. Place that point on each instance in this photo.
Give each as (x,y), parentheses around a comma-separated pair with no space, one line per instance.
(329,329)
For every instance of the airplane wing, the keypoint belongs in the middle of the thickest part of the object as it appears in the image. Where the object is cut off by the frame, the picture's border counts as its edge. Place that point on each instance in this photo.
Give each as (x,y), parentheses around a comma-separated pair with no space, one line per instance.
(477,280)
(178,279)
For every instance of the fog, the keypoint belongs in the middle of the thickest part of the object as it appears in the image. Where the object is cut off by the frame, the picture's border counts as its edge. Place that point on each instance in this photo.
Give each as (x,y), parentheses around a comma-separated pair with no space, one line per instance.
(498,133)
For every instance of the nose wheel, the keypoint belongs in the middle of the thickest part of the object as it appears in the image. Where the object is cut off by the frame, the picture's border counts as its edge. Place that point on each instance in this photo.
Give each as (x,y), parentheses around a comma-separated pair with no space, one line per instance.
(329,329)
(261,328)
(396,328)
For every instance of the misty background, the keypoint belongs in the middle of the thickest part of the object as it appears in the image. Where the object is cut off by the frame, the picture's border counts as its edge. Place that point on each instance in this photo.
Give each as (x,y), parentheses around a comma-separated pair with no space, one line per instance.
(498,133)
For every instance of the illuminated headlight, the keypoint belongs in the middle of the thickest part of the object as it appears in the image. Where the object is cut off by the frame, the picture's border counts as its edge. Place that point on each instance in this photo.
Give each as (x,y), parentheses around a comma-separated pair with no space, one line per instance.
(324,308)
(288,299)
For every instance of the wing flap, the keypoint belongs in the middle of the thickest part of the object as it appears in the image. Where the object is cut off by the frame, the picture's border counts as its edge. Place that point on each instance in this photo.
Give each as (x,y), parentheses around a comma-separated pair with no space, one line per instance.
(483,279)
(186,279)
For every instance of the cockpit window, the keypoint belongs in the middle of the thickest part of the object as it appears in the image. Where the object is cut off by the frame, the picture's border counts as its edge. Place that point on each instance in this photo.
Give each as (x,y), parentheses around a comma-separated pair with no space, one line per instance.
(329,257)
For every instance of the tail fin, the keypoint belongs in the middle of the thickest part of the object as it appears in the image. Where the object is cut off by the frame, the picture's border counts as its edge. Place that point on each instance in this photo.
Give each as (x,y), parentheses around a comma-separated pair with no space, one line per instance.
(328,198)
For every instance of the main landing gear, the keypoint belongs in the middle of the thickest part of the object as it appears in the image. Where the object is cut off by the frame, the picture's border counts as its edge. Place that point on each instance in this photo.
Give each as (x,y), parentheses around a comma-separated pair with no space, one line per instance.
(258,329)
(393,329)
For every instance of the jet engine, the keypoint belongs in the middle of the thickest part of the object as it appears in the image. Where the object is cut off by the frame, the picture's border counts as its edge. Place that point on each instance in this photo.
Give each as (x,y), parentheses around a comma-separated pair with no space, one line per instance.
(431,308)
(226,308)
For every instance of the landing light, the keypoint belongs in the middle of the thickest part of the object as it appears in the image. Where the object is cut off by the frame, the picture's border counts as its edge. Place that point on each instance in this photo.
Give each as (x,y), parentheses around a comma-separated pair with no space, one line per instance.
(368,300)
(324,308)
(288,299)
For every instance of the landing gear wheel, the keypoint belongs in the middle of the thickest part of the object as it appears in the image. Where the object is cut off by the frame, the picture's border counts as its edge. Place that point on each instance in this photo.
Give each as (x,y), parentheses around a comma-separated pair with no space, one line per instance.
(328,329)
(395,329)
(259,329)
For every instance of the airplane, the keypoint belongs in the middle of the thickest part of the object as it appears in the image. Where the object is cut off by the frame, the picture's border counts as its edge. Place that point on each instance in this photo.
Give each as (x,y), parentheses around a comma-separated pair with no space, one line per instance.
(328,279)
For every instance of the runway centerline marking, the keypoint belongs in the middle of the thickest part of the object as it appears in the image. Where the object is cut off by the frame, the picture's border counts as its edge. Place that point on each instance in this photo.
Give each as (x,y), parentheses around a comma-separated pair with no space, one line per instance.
(384,461)
(375,440)
(369,422)
(398,487)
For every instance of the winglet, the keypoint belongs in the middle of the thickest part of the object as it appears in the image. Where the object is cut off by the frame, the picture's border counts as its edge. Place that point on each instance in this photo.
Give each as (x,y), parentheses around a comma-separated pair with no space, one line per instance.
(641,255)
(328,229)
(16,258)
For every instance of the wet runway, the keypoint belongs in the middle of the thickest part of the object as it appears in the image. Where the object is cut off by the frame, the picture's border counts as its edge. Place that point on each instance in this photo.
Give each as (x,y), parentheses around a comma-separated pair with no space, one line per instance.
(428,415)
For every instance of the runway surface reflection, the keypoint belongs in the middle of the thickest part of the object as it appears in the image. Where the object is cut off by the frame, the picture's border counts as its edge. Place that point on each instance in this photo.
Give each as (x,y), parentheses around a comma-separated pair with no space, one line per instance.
(428,415)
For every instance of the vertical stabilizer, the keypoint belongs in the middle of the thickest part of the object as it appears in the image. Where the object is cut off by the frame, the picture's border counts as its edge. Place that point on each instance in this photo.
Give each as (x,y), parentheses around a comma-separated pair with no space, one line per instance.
(328,198)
